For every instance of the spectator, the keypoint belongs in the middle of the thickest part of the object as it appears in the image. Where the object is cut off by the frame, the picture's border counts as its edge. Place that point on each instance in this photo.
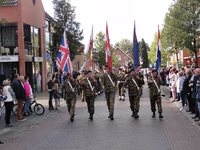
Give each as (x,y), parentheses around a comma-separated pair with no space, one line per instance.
(179,85)
(56,80)
(38,77)
(20,96)
(28,94)
(186,91)
(50,90)
(15,83)
(7,90)
(56,95)
(173,89)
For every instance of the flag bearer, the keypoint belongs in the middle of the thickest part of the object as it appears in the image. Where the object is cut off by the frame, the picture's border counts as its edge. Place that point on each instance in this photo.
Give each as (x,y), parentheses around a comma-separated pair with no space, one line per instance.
(154,83)
(121,78)
(89,84)
(109,83)
(133,82)
(70,92)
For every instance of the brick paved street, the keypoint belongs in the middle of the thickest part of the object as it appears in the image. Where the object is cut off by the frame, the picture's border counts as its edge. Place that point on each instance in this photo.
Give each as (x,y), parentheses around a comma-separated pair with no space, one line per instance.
(174,132)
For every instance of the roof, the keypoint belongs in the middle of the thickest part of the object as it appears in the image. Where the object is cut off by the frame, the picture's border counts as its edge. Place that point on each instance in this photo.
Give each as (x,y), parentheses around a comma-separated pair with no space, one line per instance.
(9,2)
(122,51)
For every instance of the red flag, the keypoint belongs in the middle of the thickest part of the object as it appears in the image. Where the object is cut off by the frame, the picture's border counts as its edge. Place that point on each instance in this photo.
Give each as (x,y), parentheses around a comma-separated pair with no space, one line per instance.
(108,52)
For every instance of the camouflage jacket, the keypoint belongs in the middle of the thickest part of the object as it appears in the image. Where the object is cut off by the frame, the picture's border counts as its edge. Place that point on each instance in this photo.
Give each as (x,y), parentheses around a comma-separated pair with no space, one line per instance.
(132,88)
(68,91)
(105,81)
(88,91)
(153,88)
(96,76)
(121,78)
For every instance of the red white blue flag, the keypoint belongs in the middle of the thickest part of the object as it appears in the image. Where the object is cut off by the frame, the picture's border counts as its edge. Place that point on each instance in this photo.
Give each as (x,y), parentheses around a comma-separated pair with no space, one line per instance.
(108,51)
(63,60)
(158,53)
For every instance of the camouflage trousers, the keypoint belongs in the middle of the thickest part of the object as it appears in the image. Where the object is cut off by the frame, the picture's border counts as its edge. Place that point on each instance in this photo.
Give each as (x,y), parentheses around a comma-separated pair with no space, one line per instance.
(120,91)
(90,104)
(134,103)
(71,106)
(153,100)
(110,98)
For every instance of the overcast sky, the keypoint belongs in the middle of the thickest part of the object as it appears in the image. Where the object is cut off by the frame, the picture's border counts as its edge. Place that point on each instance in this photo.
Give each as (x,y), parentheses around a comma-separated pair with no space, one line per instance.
(120,15)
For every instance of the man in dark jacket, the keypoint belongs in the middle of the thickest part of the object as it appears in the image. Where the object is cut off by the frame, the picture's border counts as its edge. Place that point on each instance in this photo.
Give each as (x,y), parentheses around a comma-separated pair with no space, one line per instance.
(20,96)
(15,82)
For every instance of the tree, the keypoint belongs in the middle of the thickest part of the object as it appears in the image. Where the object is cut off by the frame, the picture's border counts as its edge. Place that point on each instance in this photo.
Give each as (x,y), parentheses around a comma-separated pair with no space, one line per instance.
(182,26)
(143,53)
(125,44)
(3,20)
(100,50)
(64,16)
(153,50)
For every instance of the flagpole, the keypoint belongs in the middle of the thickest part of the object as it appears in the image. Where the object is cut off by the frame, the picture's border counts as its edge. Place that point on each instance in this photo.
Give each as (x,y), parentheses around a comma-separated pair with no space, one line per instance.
(92,53)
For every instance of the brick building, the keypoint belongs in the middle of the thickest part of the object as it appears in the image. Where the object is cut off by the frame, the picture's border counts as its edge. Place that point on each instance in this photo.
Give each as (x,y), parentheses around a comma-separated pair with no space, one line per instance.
(22,41)
(123,57)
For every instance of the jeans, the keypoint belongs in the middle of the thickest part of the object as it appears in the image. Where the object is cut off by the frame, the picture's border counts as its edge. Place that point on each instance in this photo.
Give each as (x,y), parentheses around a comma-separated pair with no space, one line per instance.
(183,98)
(58,105)
(27,104)
(8,106)
(198,108)
(50,99)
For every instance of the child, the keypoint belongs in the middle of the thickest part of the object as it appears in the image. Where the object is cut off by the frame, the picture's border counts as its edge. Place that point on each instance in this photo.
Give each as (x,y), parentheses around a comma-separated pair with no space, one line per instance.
(56,95)
(173,89)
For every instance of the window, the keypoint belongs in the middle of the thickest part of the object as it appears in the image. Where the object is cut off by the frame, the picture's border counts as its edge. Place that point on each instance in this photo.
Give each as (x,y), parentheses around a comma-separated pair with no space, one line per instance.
(33,2)
(35,40)
(47,25)
(119,58)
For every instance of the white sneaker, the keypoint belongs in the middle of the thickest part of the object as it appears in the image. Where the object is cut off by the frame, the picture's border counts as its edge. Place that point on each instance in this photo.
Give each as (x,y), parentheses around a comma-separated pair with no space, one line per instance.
(23,119)
(182,108)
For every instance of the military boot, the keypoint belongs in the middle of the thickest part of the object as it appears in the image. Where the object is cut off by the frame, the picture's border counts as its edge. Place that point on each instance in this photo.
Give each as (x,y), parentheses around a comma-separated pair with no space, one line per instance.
(91,117)
(160,115)
(133,114)
(153,115)
(111,117)
(136,115)
(72,118)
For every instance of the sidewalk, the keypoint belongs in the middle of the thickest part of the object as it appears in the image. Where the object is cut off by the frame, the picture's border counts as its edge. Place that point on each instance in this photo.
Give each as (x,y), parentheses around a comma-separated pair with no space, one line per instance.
(7,133)
(166,91)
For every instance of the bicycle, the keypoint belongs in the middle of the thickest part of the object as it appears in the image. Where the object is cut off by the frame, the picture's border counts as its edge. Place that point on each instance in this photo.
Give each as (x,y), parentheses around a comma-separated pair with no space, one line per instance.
(38,108)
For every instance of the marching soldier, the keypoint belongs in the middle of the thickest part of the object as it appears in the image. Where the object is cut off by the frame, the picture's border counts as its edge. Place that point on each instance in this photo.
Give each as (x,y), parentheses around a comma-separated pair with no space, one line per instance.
(121,78)
(80,79)
(89,84)
(155,94)
(109,82)
(70,92)
(130,65)
(133,82)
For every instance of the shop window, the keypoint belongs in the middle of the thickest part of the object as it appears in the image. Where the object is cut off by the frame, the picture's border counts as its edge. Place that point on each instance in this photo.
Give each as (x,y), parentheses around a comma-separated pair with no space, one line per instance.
(119,58)
(36,36)
(8,37)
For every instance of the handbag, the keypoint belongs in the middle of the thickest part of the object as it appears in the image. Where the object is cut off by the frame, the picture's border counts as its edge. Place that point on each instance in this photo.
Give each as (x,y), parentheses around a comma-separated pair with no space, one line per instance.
(56,94)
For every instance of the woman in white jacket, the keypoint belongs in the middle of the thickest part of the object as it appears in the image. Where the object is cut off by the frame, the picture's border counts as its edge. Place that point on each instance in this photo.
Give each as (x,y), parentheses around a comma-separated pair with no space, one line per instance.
(8,102)
(173,89)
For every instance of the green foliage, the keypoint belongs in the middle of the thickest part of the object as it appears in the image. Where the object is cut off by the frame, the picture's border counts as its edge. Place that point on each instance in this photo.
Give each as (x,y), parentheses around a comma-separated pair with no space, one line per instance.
(153,49)
(125,44)
(100,50)
(3,20)
(181,28)
(143,53)
(64,16)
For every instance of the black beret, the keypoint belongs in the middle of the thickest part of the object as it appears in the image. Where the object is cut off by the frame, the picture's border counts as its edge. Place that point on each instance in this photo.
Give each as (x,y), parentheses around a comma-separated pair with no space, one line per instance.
(68,74)
(154,70)
(131,70)
(89,71)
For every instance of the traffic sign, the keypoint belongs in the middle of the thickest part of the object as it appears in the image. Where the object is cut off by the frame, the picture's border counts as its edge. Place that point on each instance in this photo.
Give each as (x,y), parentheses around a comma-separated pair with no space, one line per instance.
(46,55)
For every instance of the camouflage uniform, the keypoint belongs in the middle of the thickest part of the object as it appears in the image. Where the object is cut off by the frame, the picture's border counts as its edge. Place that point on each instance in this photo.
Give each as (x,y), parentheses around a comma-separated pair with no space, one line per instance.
(141,76)
(130,66)
(90,95)
(155,96)
(121,79)
(70,95)
(109,90)
(133,92)
(80,78)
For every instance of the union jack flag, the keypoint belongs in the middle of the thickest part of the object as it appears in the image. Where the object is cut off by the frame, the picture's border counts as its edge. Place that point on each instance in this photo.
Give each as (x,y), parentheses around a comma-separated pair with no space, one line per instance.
(63,60)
